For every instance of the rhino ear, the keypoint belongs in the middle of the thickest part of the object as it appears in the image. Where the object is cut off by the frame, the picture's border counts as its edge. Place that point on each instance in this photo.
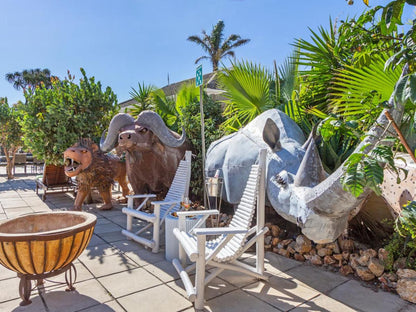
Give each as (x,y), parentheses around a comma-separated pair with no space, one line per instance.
(271,135)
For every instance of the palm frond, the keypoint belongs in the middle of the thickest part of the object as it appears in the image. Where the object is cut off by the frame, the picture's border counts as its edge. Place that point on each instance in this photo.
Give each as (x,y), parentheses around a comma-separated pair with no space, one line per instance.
(247,86)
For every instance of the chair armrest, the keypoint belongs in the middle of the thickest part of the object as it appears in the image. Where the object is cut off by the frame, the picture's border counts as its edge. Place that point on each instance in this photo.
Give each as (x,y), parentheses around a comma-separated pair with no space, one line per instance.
(141,196)
(219,231)
(197,212)
(161,202)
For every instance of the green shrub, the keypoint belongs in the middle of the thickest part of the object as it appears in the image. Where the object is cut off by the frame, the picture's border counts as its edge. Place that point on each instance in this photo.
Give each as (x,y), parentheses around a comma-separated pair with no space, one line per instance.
(191,121)
(55,118)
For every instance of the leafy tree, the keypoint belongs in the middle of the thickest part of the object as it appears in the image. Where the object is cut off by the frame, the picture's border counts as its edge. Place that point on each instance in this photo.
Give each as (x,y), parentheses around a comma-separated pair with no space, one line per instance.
(53,119)
(10,133)
(215,46)
(30,78)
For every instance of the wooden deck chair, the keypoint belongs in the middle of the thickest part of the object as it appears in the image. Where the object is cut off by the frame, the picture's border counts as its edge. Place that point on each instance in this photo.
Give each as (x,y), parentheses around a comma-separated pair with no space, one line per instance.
(54,179)
(177,191)
(224,251)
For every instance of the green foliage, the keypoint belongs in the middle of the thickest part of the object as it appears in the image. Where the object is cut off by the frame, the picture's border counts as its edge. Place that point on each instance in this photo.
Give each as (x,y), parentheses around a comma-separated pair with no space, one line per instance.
(10,132)
(403,242)
(359,91)
(191,121)
(53,119)
(215,46)
(338,140)
(247,88)
(367,169)
(30,78)
(143,98)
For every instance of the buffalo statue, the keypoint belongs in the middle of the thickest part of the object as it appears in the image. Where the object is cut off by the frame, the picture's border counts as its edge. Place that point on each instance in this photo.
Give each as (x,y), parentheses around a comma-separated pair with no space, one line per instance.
(297,186)
(153,151)
(93,168)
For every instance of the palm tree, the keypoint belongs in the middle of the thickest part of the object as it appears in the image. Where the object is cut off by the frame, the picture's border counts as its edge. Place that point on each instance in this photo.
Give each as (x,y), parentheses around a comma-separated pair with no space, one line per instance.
(143,98)
(30,78)
(215,46)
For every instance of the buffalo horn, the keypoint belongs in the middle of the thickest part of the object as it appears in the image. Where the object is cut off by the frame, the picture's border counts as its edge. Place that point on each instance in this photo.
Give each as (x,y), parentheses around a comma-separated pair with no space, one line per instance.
(155,123)
(119,121)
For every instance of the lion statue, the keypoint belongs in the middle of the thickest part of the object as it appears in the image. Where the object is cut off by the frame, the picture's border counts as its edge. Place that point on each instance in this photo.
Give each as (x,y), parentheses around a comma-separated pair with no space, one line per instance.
(94,168)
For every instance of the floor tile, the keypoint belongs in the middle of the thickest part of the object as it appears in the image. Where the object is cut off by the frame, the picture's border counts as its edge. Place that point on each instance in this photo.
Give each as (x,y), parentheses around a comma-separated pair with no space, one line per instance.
(237,301)
(14,305)
(317,278)
(153,299)
(323,303)
(128,282)
(108,265)
(366,299)
(282,293)
(87,294)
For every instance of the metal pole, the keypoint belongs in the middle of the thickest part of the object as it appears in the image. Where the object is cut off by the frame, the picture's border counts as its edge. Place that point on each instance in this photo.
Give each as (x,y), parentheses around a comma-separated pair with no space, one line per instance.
(201,95)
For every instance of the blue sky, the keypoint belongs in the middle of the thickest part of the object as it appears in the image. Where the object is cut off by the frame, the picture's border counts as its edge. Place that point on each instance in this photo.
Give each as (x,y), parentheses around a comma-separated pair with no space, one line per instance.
(122,43)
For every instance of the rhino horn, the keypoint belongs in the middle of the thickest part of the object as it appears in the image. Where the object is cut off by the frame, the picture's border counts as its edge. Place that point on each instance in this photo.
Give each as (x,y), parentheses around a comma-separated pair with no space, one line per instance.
(310,172)
(119,121)
(155,123)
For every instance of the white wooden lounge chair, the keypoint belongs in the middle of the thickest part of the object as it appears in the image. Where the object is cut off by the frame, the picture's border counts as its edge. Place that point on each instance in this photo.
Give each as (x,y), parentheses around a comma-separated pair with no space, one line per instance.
(224,251)
(178,190)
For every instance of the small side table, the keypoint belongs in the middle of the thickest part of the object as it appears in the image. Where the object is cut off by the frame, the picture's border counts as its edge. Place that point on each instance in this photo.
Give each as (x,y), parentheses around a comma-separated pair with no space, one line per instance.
(171,243)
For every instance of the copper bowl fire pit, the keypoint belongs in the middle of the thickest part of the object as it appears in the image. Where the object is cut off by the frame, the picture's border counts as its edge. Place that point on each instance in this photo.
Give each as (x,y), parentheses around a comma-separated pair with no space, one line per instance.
(41,245)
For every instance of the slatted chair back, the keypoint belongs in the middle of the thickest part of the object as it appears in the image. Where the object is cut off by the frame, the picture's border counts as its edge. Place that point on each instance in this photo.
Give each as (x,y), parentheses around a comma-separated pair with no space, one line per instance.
(243,217)
(179,187)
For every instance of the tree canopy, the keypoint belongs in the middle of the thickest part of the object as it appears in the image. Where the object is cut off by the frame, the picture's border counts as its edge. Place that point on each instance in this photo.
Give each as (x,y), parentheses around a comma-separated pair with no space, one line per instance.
(215,45)
(53,119)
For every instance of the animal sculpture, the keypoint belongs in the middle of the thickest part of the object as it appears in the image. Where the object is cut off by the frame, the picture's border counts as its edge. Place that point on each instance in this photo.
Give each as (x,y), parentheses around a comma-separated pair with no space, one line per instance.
(93,168)
(153,151)
(297,186)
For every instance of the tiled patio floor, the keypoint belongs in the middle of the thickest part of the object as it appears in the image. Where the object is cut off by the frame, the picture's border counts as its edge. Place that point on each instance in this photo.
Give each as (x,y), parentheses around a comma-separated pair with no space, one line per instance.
(115,274)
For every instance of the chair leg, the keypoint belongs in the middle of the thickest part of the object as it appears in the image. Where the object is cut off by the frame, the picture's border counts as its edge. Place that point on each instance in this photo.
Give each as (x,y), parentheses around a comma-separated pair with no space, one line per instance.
(129,223)
(156,235)
(200,274)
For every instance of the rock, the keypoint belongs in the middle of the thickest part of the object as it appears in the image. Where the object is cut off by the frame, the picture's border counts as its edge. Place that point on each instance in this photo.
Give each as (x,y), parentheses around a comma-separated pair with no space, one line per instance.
(399,264)
(299,257)
(324,252)
(320,246)
(329,260)
(376,267)
(370,253)
(316,260)
(268,240)
(286,242)
(392,277)
(339,258)
(406,273)
(406,285)
(313,252)
(353,261)
(346,269)
(275,241)
(291,250)
(283,252)
(268,247)
(363,260)
(275,230)
(303,244)
(346,255)
(364,273)
(334,247)
(346,244)
(383,255)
